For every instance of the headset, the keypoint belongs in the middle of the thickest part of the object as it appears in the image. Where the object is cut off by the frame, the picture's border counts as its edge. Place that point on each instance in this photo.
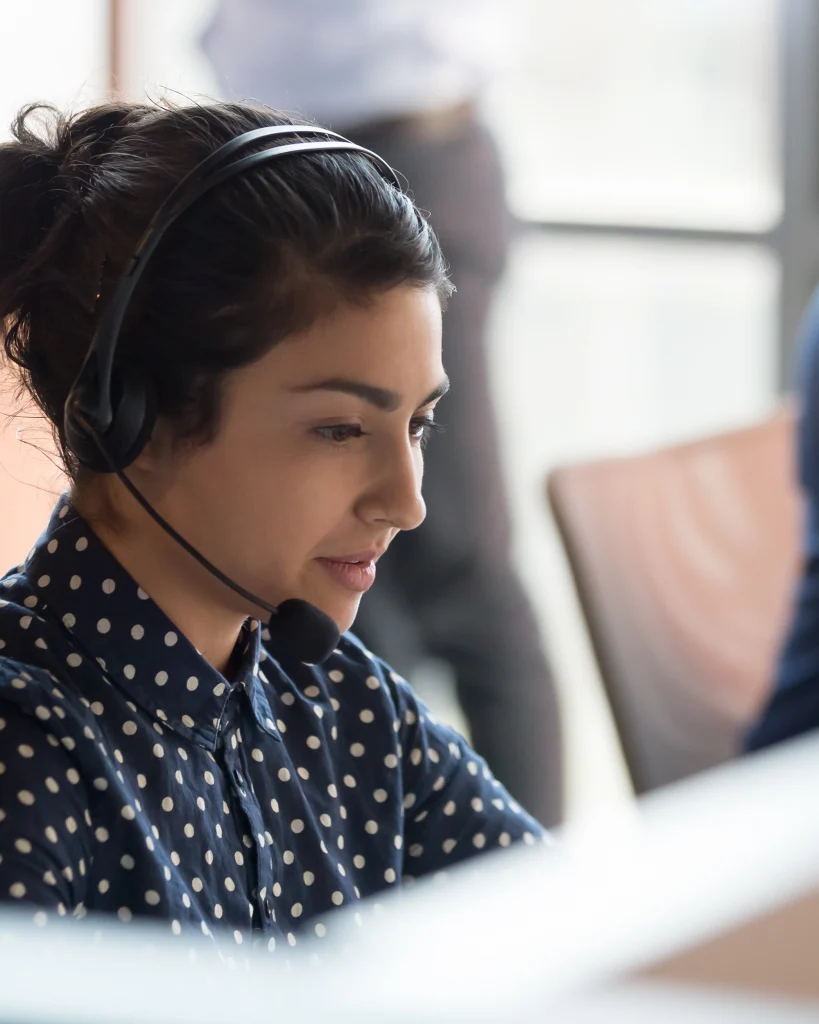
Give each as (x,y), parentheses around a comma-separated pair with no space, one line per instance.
(111,409)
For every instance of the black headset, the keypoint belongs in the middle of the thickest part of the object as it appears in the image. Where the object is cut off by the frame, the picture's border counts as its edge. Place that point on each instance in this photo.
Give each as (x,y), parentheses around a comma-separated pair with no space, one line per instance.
(110,411)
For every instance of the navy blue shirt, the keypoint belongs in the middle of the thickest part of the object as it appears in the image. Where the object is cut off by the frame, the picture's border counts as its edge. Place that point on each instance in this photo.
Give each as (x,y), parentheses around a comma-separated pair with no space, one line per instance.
(794,705)
(137,780)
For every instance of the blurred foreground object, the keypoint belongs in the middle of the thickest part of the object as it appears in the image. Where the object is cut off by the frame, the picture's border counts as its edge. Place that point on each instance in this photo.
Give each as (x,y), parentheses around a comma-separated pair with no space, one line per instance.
(684,561)
(704,899)
(403,78)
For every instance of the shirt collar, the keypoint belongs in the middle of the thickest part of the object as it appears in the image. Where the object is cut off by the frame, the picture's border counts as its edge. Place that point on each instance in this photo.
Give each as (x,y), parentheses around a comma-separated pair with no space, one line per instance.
(78,582)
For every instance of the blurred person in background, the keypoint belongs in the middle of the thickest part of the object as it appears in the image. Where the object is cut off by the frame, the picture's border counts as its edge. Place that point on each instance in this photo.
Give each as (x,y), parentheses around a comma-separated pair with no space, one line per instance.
(403,77)
(793,708)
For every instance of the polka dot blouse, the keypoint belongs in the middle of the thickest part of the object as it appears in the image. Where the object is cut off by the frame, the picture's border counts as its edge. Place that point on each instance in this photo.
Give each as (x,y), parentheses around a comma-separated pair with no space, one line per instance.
(136,780)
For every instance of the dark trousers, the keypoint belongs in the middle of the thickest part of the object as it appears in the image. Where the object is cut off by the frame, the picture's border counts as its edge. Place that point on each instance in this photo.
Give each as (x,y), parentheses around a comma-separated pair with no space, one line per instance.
(448,589)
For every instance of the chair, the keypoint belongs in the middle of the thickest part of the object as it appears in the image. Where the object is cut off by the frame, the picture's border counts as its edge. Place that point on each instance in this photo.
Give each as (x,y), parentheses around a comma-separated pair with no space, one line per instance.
(29,478)
(685,560)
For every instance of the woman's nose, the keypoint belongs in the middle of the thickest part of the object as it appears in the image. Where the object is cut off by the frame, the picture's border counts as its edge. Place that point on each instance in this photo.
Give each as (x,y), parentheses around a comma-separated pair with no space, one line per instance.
(397,498)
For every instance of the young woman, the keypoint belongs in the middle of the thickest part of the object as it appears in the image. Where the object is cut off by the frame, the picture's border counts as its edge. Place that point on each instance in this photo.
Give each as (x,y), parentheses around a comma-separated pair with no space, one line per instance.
(159,756)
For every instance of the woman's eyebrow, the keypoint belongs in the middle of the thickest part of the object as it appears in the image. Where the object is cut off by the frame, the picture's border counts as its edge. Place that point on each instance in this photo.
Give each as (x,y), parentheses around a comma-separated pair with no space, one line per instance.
(384,399)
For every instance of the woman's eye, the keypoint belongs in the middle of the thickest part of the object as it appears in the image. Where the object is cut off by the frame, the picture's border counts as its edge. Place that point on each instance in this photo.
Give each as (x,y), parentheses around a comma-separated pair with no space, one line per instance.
(422,428)
(340,432)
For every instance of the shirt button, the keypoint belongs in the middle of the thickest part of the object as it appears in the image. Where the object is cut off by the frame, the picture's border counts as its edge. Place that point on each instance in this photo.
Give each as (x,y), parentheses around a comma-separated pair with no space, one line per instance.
(268,908)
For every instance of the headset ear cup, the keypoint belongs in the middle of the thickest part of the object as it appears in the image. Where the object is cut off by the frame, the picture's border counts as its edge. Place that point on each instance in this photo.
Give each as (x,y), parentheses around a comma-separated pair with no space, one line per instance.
(134,408)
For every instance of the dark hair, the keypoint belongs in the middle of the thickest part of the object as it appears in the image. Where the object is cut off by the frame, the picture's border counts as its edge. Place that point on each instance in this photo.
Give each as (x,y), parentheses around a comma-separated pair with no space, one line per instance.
(257,258)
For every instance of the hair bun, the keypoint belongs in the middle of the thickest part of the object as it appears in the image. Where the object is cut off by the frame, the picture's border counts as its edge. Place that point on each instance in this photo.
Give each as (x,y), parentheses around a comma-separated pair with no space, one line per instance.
(28,200)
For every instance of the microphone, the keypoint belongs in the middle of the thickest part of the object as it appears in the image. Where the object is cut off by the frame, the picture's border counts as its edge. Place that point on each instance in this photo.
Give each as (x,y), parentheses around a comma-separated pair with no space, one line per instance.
(297,628)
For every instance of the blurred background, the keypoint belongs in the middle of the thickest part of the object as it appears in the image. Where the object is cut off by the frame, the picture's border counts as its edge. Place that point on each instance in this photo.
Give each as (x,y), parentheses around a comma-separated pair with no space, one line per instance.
(663,171)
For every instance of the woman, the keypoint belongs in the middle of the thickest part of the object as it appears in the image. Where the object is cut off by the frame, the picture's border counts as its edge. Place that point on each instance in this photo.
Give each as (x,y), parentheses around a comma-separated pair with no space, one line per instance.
(160,757)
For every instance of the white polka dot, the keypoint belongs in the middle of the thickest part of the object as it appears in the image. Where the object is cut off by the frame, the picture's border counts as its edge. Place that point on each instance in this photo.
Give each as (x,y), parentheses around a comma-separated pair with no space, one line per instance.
(74,660)
(391,761)
(129,671)
(349,781)
(230,885)
(256,754)
(17,890)
(53,544)
(416,755)
(449,845)
(75,582)
(389,875)
(337,898)
(103,885)
(296,910)
(23,845)
(188,721)
(159,750)
(297,825)
(359,861)
(81,544)
(371,827)
(504,839)
(108,586)
(152,897)
(192,683)
(209,778)
(373,682)
(366,716)
(189,830)
(24,750)
(380,796)
(137,632)
(167,803)
(161,678)
(321,930)
(303,773)
(97,708)
(284,775)
(128,812)
(313,742)
(416,850)
(101,834)
(170,638)
(69,620)
(43,581)
(124,914)
(103,626)
(197,884)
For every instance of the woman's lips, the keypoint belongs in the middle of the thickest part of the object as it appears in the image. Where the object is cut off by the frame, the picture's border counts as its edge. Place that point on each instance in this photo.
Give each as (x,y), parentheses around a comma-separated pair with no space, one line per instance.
(356,576)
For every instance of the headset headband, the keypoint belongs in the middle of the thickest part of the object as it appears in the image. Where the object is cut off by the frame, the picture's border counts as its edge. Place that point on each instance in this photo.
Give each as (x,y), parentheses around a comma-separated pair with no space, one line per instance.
(89,406)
